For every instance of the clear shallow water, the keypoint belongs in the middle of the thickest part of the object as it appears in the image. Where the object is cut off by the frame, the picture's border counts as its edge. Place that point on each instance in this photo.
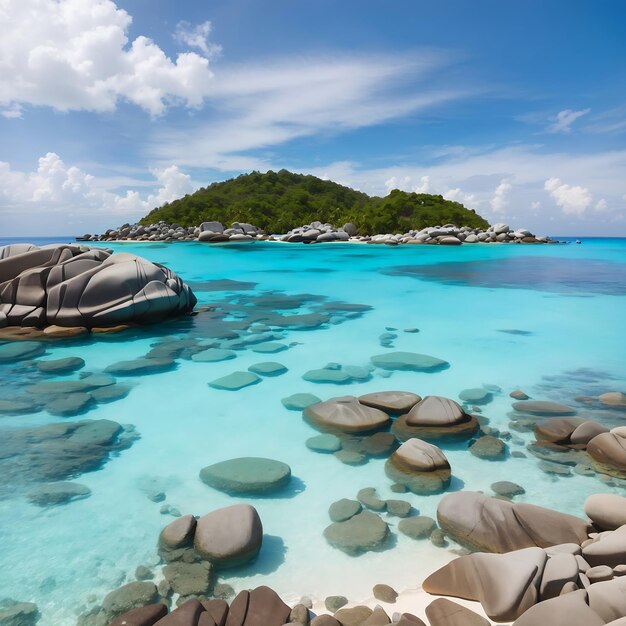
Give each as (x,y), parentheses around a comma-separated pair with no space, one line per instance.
(571,344)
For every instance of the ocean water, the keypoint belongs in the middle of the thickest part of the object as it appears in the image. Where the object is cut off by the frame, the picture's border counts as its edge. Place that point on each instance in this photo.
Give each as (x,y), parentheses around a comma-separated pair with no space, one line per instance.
(546,319)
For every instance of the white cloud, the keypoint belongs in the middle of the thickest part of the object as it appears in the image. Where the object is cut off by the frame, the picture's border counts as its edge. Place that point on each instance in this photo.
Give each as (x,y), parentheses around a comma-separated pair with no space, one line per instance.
(601,205)
(57,187)
(499,200)
(406,184)
(76,55)
(262,105)
(467,199)
(563,120)
(572,200)
(197,37)
(424,186)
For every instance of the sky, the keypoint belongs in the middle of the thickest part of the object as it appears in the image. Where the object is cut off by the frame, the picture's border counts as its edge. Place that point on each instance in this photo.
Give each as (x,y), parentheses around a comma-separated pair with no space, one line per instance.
(516,109)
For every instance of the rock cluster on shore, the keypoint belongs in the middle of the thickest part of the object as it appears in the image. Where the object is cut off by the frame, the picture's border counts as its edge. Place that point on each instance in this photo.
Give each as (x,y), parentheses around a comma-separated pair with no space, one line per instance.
(80,287)
(317,232)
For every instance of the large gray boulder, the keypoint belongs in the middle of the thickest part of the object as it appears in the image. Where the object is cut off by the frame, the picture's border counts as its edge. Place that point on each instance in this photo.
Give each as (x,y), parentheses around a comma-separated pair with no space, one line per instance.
(229,536)
(71,285)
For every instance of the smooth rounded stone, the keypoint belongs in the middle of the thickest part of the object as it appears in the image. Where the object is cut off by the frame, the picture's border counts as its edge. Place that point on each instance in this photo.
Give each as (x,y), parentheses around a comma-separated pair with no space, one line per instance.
(324,443)
(269,347)
(189,612)
(391,402)
(213,355)
(559,570)
(476,395)
(235,381)
(368,498)
(354,616)
(608,548)
(543,408)
(613,399)
(70,404)
(379,444)
(345,414)
(606,510)
(265,608)
(444,612)
(52,494)
(14,351)
(61,366)
(570,609)
(506,585)
(229,536)
(179,533)
(364,532)
(188,579)
(460,431)
(334,603)
(564,548)
(435,411)
(299,615)
(507,488)
(385,593)
(143,616)
(111,393)
(608,452)
(494,525)
(488,448)
(268,368)
(300,401)
(599,573)
(398,508)
(378,618)
(586,431)
(139,367)
(217,609)
(130,596)
(419,465)
(324,620)
(398,488)
(143,573)
(417,527)
(411,361)
(620,570)
(344,509)
(351,457)
(518,394)
(608,598)
(247,475)
(557,429)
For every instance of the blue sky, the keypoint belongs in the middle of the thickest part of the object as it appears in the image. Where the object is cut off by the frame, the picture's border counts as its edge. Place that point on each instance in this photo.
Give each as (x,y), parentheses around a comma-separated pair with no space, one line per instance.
(516,109)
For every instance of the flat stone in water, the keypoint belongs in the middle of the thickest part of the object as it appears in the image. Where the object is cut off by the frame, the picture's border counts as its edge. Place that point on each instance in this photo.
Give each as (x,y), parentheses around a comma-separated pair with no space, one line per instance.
(61,366)
(325,375)
(247,475)
(235,381)
(268,368)
(21,406)
(69,404)
(212,355)
(507,488)
(489,448)
(543,407)
(324,443)
(344,509)
(399,508)
(477,395)
(364,532)
(411,361)
(269,347)
(299,401)
(52,494)
(110,393)
(417,527)
(138,367)
(20,350)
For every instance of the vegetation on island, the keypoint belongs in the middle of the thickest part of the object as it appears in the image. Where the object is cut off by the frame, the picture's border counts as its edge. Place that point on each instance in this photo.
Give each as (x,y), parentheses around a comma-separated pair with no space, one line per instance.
(280,201)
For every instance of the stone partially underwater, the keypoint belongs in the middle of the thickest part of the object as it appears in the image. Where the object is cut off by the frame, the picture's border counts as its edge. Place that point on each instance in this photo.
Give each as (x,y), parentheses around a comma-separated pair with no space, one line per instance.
(77,286)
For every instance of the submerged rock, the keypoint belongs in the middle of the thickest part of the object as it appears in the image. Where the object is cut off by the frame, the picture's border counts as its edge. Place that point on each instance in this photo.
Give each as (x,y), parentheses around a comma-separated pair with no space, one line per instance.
(299,401)
(543,408)
(51,494)
(213,355)
(409,361)
(61,366)
(324,443)
(20,351)
(417,527)
(391,402)
(344,509)
(247,475)
(268,368)
(130,596)
(14,613)
(489,448)
(477,395)
(364,532)
(235,381)
(608,452)
(139,367)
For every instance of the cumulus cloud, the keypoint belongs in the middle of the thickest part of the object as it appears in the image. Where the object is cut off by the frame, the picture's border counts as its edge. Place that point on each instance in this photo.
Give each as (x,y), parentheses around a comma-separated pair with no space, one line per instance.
(601,205)
(457,195)
(57,187)
(197,37)
(572,200)
(563,120)
(499,201)
(406,184)
(76,55)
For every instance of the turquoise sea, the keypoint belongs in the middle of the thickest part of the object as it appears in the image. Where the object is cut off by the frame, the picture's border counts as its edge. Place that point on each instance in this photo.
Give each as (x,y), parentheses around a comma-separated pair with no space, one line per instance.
(547,319)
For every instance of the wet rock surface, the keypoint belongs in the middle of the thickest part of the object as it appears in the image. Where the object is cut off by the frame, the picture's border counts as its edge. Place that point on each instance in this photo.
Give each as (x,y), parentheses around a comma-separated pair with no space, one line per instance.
(247,475)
